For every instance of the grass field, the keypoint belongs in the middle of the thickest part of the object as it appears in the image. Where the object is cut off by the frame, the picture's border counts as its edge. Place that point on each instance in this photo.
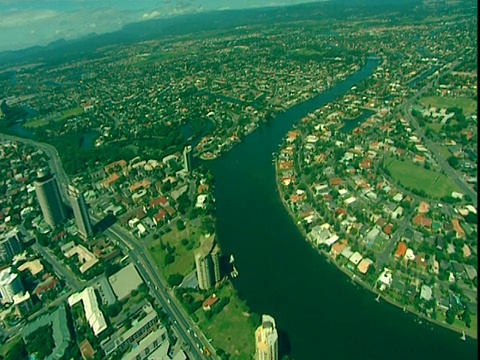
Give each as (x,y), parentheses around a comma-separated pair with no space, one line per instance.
(231,330)
(444,153)
(414,176)
(184,262)
(468,105)
(64,115)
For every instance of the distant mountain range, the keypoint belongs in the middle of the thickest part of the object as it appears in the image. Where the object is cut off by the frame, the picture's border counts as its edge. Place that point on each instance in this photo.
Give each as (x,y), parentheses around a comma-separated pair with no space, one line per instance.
(86,46)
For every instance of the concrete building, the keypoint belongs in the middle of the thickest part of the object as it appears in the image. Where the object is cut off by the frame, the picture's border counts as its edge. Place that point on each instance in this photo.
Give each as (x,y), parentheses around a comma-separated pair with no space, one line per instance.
(61,332)
(23,303)
(266,340)
(149,344)
(216,263)
(80,211)
(49,198)
(132,337)
(10,285)
(10,245)
(124,281)
(187,158)
(207,263)
(93,314)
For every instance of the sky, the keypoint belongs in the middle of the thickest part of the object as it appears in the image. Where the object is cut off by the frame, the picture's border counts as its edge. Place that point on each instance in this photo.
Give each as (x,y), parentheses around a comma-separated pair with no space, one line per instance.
(25,23)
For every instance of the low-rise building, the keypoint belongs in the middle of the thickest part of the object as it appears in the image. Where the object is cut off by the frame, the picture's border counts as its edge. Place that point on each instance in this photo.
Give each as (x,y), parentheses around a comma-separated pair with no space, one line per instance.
(124,281)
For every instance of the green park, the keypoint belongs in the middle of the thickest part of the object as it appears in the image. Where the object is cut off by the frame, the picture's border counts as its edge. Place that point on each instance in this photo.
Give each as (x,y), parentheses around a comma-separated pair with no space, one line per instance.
(415,177)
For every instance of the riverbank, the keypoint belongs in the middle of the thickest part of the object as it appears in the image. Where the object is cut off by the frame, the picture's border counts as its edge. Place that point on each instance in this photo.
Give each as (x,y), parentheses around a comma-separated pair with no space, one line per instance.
(356,278)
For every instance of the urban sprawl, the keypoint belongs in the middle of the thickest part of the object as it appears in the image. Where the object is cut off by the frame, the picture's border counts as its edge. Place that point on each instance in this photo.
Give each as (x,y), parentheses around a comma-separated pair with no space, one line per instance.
(107,219)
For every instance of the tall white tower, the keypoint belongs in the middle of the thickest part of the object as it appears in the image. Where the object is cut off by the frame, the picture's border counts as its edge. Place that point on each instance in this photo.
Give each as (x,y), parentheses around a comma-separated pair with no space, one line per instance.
(266,340)
(80,211)
(187,158)
(49,198)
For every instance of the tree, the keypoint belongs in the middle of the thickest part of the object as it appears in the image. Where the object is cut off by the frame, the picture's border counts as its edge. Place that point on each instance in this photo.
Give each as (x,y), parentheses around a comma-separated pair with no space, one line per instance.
(175,279)
(453,161)
(127,323)
(180,225)
(169,258)
(17,352)
(466,318)
(450,316)
(114,309)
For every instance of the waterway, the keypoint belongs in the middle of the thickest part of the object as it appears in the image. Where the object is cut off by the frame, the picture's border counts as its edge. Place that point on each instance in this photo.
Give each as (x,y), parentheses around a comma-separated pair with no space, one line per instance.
(88,139)
(349,125)
(320,314)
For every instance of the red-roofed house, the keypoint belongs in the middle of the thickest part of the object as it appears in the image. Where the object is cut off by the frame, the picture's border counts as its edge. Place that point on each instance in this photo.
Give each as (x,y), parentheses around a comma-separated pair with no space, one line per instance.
(401,250)
(160,201)
(207,304)
(388,229)
(459,232)
(336,182)
(161,215)
(423,208)
(366,164)
(338,247)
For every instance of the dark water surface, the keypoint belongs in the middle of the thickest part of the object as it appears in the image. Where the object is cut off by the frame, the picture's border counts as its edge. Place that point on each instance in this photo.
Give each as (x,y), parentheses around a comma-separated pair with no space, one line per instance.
(320,314)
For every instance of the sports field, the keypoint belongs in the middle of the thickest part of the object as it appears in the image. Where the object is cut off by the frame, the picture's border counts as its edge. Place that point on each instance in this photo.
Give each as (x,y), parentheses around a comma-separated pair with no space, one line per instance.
(469,106)
(64,115)
(414,176)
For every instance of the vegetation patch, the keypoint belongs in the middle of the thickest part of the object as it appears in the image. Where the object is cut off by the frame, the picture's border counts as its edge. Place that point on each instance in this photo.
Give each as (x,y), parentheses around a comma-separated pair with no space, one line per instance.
(173,252)
(233,329)
(40,343)
(469,106)
(64,115)
(13,349)
(415,177)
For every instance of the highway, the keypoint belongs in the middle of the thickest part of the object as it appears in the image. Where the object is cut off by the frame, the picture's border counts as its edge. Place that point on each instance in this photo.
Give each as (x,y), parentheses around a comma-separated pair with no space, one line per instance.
(186,328)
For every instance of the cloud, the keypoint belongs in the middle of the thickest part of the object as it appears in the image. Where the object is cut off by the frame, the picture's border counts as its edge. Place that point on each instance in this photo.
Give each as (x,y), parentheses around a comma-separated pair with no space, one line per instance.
(154,14)
(26,17)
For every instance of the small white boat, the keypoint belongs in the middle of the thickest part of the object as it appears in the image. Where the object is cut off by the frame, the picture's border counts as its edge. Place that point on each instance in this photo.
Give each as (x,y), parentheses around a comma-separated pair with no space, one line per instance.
(232,259)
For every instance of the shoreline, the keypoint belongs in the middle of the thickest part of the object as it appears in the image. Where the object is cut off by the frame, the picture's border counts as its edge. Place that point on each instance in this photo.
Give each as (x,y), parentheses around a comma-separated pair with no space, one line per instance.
(353,277)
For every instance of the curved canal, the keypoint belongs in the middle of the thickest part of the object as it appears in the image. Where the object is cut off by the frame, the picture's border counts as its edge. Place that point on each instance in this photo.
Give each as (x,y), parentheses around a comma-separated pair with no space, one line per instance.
(320,314)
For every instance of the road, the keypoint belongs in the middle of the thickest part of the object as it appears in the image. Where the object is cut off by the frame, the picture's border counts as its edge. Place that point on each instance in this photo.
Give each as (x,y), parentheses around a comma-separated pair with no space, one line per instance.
(186,328)
(59,268)
(384,256)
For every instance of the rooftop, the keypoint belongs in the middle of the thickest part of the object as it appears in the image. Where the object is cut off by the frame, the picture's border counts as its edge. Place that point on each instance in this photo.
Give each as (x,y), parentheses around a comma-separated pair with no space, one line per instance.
(124,281)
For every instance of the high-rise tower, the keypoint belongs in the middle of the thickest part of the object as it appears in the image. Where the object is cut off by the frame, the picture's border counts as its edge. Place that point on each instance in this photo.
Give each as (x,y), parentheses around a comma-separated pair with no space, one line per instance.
(10,245)
(187,158)
(49,198)
(80,211)
(266,340)
(207,262)
(204,271)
